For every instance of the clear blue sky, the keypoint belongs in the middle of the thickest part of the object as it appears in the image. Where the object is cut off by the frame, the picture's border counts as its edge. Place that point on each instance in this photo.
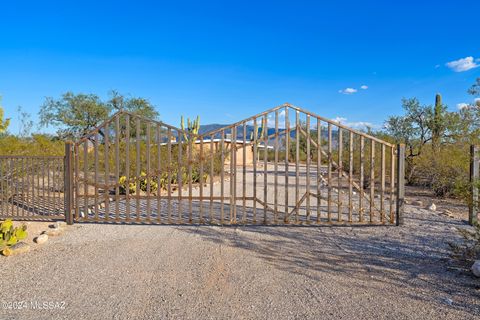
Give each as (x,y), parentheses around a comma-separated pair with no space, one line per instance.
(227,60)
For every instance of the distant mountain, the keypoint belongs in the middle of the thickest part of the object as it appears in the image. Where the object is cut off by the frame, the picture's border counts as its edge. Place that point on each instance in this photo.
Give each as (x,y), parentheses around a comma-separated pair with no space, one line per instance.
(209,127)
(249,130)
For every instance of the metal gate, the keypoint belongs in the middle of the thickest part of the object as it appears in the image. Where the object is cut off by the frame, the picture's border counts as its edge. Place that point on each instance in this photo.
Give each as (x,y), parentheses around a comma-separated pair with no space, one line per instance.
(32,187)
(282,166)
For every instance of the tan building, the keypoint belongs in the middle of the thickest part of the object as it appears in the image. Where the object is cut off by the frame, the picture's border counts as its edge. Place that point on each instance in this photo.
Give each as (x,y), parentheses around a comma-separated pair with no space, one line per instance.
(239,145)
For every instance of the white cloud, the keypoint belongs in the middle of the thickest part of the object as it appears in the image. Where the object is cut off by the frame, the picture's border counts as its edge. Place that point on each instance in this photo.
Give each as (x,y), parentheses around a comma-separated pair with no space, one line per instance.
(348,91)
(463,64)
(271,120)
(356,124)
(463,105)
(364,87)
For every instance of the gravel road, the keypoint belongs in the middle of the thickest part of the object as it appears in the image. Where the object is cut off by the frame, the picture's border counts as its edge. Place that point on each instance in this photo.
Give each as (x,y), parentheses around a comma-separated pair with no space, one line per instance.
(102,271)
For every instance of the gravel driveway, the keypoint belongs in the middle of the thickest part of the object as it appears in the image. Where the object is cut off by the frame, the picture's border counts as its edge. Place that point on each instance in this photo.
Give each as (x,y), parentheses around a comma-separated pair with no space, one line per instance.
(104,271)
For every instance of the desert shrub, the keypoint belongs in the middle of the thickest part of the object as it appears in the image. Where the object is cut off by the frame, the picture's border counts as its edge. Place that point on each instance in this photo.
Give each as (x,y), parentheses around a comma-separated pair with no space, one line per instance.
(469,249)
(36,145)
(445,171)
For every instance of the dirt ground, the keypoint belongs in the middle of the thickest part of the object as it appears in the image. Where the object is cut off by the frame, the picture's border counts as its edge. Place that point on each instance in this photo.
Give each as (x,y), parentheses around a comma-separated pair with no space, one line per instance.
(254,272)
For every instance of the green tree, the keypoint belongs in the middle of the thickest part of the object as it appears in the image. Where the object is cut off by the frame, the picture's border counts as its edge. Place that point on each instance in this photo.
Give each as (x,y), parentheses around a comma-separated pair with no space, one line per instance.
(413,129)
(475,88)
(26,123)
(74,115)
(135,105)
(422,124)
(3,123)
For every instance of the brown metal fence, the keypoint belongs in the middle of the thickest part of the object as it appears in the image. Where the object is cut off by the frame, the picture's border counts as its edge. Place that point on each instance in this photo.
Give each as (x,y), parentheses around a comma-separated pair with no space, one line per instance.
(282,166)
(32,187)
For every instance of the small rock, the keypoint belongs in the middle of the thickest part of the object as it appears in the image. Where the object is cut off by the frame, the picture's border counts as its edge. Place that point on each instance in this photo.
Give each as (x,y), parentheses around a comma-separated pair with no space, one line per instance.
(53,232)
(60,224)
(432,207)
(41,239)
(417,203)
(18,248)
(476,268)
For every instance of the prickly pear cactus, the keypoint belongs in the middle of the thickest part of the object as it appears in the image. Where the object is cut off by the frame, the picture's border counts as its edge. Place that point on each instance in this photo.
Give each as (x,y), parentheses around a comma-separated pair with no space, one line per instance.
(10,235)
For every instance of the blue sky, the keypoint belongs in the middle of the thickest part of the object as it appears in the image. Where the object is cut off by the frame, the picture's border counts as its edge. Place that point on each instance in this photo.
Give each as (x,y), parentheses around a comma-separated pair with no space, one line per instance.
(228,60)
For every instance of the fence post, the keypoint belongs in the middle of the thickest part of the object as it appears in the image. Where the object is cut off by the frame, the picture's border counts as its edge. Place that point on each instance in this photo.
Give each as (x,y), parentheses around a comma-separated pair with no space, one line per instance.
(68,174)
(474,176)
(400,183)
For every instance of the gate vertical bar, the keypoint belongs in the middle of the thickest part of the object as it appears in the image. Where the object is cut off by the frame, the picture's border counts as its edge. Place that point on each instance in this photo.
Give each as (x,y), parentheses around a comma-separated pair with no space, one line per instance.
(117,166)
(179,176)
(76,168)
(297,164)
(169,175)
(85,179)
(148,169)
(400,182)
(329,174)
(222,175)
(350,177)
(234,161)
(360,197)
(287,166)
(106,166)
(137,169)
(339,174)
(244,173)
(202,181)
(159,173)
(189,156)
(68,171)
(382,184)
(372,179)
(392,182)
(127,166)
(307,184)
(474,176)
(265,171)
(276,170)
(95,151)
(255,170)
(319,169)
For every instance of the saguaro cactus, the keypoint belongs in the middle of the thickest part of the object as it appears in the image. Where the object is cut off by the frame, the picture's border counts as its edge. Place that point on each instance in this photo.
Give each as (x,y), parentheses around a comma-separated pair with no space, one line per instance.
(438,122)
(192,127)
(259,132)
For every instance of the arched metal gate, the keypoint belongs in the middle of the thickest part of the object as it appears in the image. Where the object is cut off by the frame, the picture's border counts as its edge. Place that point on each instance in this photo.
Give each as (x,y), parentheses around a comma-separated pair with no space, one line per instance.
(282,166)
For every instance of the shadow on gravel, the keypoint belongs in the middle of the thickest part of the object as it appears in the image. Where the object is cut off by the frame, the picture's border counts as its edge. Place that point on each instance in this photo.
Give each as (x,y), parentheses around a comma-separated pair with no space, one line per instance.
(412,258)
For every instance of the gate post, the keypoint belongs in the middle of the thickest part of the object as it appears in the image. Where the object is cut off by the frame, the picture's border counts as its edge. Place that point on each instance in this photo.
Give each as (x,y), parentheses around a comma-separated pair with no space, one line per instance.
(68,181)
(400,183)
(474,176)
